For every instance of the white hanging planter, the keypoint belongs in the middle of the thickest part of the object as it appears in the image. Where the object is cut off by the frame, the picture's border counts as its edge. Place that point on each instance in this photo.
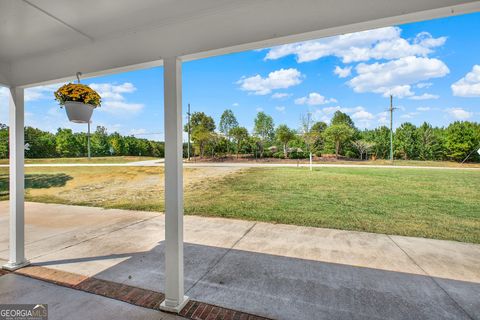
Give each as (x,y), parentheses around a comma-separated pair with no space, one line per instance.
(79,112)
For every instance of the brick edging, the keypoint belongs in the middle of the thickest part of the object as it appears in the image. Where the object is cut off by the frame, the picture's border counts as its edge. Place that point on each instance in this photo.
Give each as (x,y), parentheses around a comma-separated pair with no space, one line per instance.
(194,310)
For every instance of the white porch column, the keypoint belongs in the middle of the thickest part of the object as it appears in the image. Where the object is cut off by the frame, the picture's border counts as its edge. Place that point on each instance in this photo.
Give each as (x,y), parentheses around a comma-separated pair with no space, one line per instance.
(17,199)
(174,286)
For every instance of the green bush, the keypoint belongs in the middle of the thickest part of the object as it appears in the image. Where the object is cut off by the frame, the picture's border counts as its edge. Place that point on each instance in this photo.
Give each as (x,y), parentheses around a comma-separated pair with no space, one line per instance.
(279,155)
(298,155)
(267,154)
(350,154)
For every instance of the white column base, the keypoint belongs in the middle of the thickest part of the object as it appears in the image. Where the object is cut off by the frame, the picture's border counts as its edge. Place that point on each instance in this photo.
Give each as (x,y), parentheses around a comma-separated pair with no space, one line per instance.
(164,306)
(12,266)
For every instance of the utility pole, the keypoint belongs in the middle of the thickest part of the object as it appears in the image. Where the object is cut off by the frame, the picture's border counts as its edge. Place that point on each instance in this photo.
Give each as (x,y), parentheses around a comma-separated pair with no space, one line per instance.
(188,124)
(391,127)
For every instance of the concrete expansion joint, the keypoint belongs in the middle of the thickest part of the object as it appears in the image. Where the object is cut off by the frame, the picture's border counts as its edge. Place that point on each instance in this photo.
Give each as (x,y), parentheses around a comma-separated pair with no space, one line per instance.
(432,278)
(92,238)
(222,256)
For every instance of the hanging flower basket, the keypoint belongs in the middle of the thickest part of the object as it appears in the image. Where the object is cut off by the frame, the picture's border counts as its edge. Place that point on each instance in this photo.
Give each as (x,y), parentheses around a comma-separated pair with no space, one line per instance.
(79,101)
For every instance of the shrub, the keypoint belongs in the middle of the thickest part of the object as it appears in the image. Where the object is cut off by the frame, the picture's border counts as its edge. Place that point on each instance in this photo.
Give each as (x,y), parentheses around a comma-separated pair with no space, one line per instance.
(279,155)
(299,155)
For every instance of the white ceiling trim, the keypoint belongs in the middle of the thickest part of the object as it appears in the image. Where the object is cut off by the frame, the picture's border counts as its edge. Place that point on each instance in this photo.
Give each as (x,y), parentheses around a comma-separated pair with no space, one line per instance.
(192,39)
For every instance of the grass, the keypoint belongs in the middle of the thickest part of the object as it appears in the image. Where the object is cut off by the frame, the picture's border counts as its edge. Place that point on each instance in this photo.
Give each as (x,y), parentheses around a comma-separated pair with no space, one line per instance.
(440,204)
(417,163)
(123,159)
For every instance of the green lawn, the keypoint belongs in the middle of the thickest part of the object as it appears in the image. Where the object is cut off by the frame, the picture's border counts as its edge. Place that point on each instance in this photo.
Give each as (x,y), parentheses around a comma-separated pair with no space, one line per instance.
(123,159)
(441,204)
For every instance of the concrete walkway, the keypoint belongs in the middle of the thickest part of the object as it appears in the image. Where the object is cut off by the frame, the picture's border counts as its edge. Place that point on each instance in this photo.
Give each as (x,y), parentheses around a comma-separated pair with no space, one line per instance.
(277,271)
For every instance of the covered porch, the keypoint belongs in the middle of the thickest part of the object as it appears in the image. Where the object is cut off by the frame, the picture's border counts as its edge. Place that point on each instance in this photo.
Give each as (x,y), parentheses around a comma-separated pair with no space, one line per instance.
(48,42)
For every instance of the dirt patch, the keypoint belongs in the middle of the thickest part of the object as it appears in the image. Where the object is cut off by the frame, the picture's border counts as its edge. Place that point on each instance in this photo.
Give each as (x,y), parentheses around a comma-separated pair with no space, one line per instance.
(118,186)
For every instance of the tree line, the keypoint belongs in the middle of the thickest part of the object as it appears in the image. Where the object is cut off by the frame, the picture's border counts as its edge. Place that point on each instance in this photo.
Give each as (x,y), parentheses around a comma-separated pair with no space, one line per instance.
(340,138)
(65,143)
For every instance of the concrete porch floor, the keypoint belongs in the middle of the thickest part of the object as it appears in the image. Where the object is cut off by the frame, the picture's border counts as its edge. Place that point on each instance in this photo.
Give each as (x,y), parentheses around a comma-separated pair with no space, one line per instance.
(277,271)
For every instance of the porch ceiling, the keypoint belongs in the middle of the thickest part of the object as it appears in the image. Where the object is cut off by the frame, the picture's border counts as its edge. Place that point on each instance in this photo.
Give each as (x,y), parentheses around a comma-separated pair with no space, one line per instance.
(45,40)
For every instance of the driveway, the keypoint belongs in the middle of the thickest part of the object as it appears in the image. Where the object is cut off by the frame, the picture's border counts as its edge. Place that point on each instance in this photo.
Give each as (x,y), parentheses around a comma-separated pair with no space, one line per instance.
(276,271)
(161,163)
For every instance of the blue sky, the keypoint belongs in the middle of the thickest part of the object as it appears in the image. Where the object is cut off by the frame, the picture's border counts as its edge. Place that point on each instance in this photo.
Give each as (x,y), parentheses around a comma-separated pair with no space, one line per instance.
(432,68)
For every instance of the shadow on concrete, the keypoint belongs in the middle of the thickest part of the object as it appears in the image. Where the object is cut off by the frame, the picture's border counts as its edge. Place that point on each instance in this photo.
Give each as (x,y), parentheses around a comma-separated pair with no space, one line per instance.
(36,181)
(289,288)
(87,259)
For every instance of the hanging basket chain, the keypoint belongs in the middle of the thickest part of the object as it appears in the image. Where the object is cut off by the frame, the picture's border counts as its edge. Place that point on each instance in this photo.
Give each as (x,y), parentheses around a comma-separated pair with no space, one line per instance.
(78,76)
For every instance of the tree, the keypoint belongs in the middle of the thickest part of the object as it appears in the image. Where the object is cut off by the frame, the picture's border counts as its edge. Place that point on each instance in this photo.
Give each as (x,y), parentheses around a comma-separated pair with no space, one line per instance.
(41,144)
(362,147)
(200,119)
(406,141)
(227,123)
(380,137)
(317,130)
(264,129)
(338,134)
(240,136)
(3,141)
(284,134)
(342,118)
(461,138)
(429,147)
(99,142)
(201,136)
(115,140)
(66,144)
(202,127)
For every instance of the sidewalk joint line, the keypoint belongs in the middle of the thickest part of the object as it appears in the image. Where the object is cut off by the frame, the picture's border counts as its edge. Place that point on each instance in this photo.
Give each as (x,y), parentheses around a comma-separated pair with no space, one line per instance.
(221,257)
(94,237)
(432,278)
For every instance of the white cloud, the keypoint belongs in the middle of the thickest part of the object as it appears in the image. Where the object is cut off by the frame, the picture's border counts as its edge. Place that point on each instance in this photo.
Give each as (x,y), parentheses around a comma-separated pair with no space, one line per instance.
(359,114)
(331,110)
(259,109)
(140,131)
(423,109)
(342,72)
(114,106)
(280,79)
(314,99)
(362,115)
(383,118)
(235,104)
(469,85)
(382,43)
(280,95)
(113,97)
(459,113)
(41,92)
(424,85)
(425,96)
(396,77)
(409,115)
(280,109)
(112,91)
